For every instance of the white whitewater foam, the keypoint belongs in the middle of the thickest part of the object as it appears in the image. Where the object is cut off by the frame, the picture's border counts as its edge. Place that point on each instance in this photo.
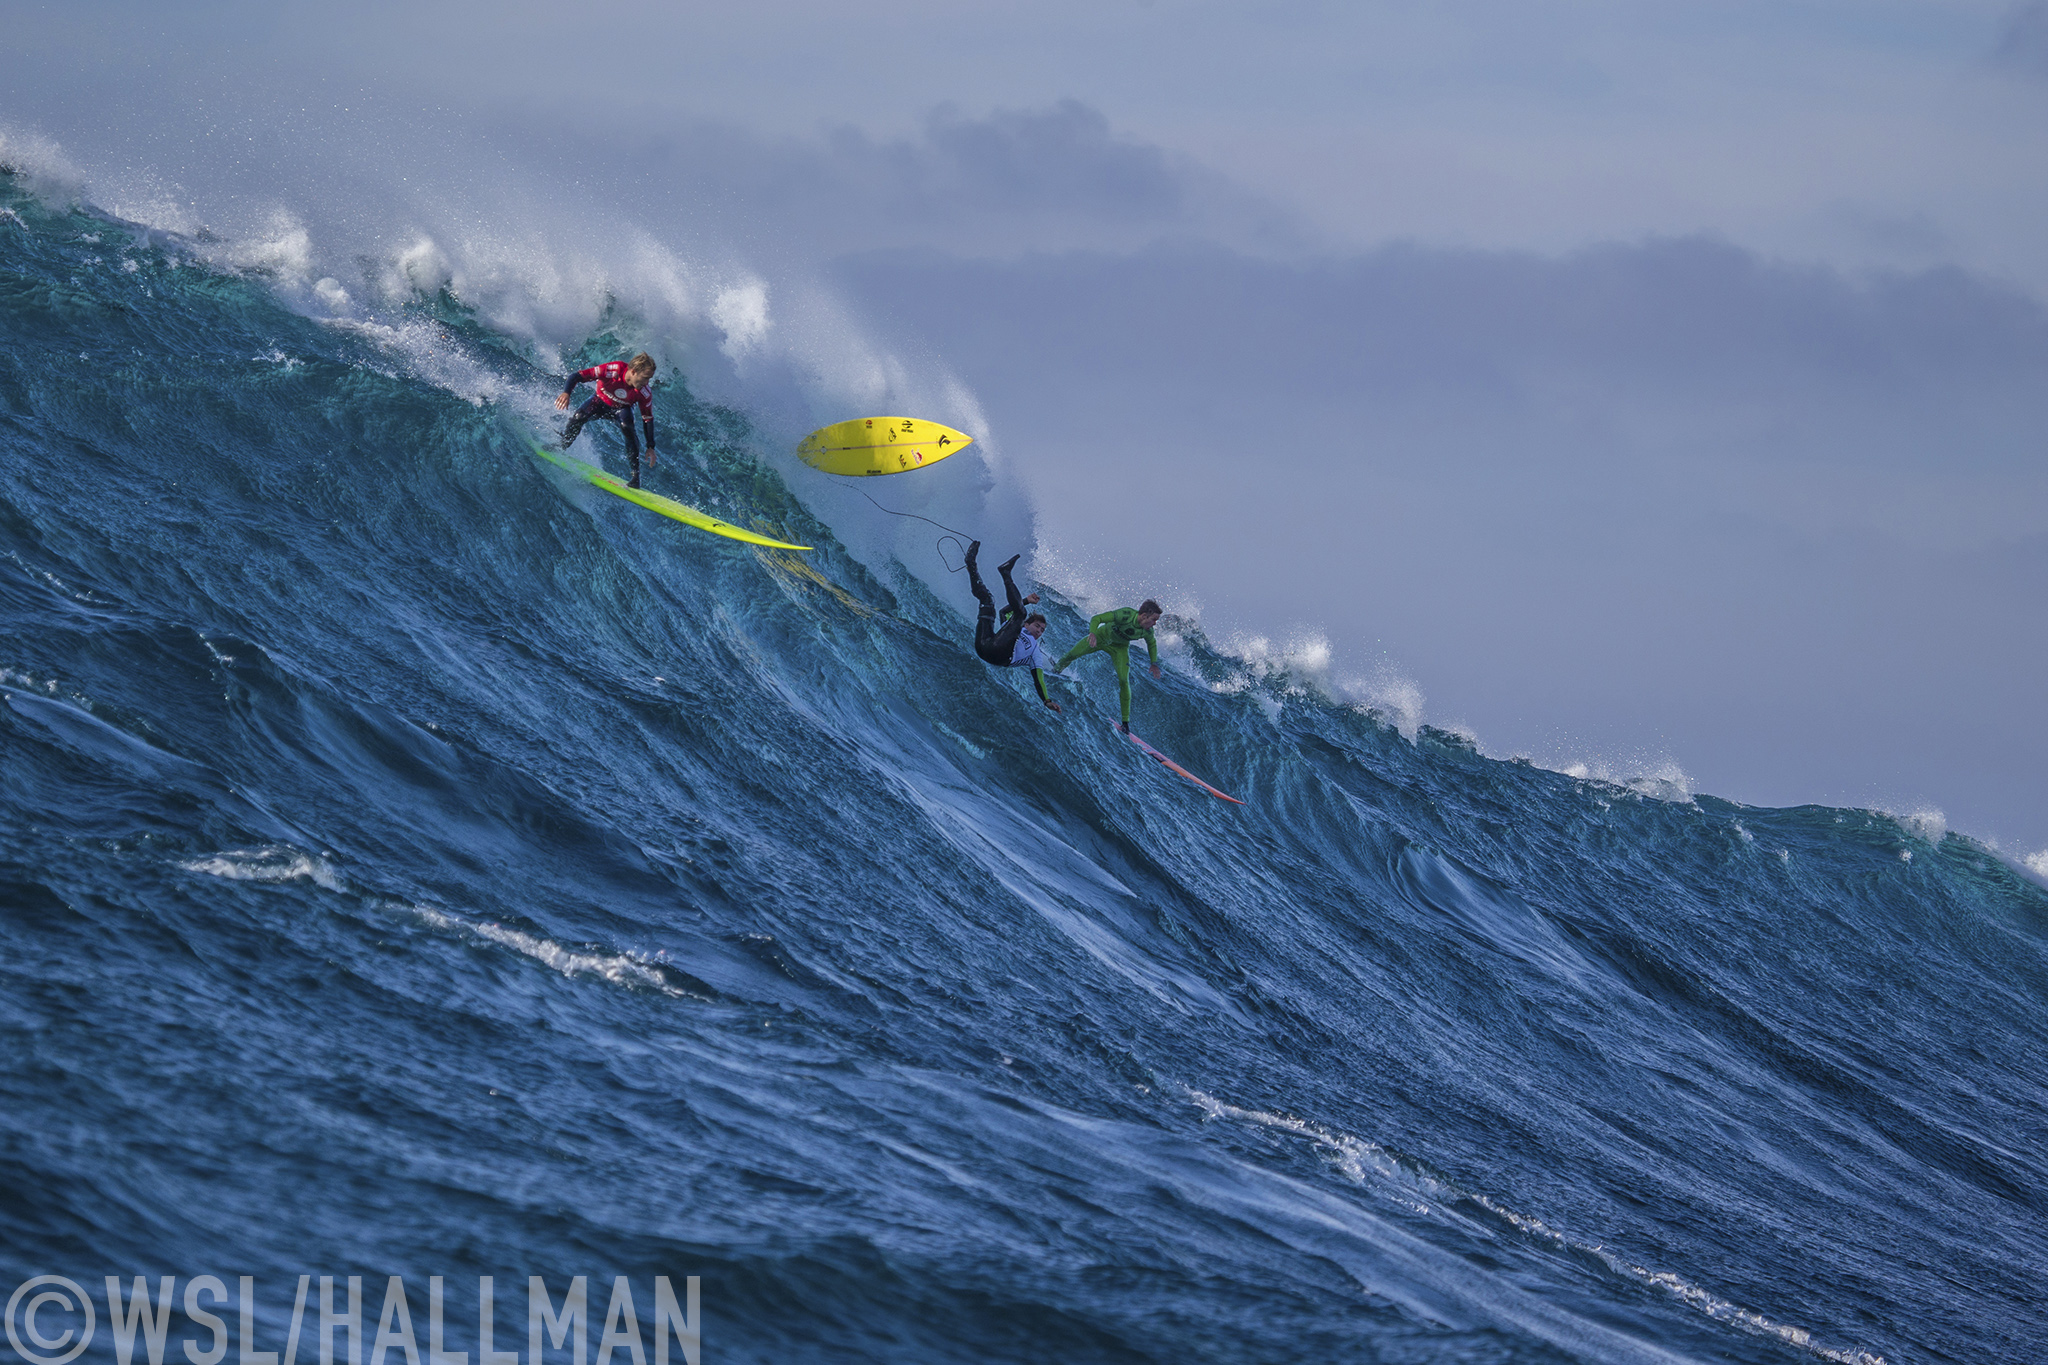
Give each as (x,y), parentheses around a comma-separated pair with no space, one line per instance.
(42,163)
(280,863)
(1393,697)
(1295,667)
(741,312)
(1298,661)
(1657,777)
(29,682)
(284,248)
(331,295)
(1925,823)
(1368,1163)
(272,863)
(618,968)
(424,350)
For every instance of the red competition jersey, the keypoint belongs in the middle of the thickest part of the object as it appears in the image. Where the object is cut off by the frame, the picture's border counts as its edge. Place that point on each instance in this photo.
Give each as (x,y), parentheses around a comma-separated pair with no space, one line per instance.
(615,389)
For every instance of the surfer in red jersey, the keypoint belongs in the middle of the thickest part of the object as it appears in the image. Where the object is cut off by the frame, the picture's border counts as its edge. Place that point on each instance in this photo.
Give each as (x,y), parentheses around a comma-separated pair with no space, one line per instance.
(622,385)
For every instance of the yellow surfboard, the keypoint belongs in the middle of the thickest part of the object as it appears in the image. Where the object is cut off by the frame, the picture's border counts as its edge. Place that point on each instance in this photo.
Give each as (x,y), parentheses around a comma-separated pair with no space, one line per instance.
(654,502)
(880,445)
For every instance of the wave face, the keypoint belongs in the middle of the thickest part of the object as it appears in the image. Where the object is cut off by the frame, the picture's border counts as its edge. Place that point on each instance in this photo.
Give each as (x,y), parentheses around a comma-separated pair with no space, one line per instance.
(414,863)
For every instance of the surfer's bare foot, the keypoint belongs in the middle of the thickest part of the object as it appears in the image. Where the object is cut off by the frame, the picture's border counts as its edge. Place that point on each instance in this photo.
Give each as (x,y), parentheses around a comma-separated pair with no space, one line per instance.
(1029,600)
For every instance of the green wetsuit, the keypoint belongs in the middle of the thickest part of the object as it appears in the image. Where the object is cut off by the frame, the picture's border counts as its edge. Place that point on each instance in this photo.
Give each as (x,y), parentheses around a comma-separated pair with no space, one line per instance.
(1116,631)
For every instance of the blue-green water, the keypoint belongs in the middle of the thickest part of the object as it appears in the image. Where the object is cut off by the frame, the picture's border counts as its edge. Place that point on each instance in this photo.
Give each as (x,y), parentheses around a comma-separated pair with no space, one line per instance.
(415,863)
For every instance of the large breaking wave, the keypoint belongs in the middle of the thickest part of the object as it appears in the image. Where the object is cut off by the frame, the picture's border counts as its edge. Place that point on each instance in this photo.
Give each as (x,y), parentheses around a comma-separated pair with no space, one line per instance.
(415,863)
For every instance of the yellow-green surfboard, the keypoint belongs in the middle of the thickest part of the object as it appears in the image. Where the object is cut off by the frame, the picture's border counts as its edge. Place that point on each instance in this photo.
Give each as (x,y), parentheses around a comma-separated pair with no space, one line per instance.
(880,445)
(654,502)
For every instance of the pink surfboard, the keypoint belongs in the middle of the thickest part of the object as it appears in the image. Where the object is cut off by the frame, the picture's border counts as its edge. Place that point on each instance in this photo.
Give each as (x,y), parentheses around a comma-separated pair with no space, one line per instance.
(1166,762)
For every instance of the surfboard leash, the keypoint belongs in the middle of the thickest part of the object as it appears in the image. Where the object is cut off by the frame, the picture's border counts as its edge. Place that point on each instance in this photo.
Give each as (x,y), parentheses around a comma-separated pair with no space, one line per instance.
(958,537)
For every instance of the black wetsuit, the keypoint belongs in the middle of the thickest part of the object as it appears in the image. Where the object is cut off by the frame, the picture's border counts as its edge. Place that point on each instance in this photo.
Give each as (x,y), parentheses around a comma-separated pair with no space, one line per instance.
(597,410)
(995,645)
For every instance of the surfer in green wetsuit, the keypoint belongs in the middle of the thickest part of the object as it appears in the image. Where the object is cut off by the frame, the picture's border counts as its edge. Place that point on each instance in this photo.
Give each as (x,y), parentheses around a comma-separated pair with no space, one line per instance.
(1116,631)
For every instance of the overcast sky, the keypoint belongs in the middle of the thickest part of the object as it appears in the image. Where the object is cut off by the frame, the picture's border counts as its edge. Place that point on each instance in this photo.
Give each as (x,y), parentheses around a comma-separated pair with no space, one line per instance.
(1641,383)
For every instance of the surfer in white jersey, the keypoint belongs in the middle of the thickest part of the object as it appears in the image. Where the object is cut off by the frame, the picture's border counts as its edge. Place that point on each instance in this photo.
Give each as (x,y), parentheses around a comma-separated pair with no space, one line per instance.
(1016,643)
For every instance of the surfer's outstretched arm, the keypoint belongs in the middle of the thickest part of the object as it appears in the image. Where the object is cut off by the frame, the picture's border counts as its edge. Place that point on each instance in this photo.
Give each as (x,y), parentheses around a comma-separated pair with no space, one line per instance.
(1030,653)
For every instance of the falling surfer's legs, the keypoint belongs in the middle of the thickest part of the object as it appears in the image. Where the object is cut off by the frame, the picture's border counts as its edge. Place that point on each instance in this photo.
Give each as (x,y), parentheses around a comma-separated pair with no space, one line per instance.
(1016,598)
(992,646)
(974,575)
(985,621)
(985,633)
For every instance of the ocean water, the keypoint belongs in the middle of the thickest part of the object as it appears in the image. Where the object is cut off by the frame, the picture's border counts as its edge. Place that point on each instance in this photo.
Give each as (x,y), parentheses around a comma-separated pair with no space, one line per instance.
(416,864)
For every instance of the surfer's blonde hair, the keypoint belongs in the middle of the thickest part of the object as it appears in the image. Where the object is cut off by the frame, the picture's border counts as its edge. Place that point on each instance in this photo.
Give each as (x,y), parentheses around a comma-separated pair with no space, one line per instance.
(642,365)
